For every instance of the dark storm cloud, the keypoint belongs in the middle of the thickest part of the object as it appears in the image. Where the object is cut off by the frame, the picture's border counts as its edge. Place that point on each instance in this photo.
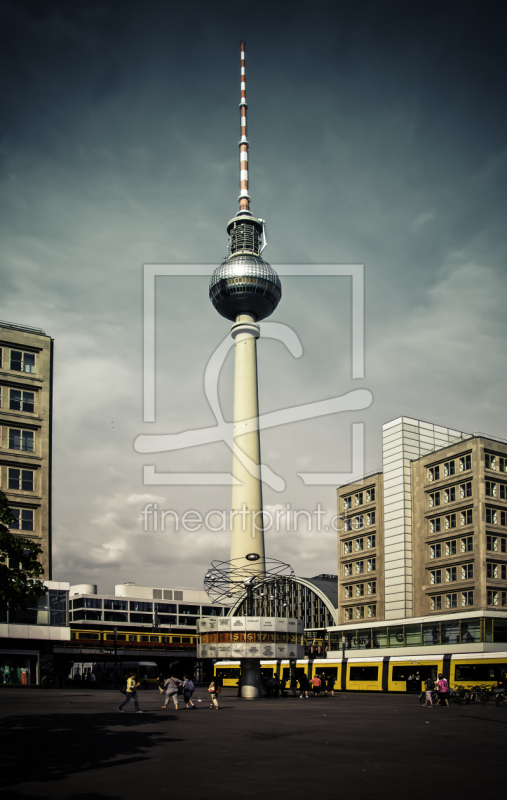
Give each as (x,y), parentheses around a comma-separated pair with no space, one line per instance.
(377,135)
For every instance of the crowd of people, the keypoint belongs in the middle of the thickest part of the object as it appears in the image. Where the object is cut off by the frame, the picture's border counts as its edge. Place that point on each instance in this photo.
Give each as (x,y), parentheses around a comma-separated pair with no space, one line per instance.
(299,686)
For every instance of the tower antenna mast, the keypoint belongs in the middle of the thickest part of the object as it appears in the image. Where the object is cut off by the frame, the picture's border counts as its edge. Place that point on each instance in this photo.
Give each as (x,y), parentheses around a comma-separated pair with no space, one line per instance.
(244,197)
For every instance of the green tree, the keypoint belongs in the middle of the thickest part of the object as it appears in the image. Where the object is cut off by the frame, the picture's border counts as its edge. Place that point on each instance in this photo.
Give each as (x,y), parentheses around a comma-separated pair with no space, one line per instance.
(19,565)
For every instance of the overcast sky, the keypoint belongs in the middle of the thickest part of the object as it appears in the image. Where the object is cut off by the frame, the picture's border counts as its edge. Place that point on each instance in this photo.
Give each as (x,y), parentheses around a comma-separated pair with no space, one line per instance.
(378,137)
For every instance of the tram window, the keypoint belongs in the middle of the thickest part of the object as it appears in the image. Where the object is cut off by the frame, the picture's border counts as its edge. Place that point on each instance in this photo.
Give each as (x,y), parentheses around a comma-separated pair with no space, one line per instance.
(363,673)
(402,673)
(186,639)
(153,638)
(478,672)
(144,638)
(132,637)
(175,639)
(121,637)
(87,635)
(227,673)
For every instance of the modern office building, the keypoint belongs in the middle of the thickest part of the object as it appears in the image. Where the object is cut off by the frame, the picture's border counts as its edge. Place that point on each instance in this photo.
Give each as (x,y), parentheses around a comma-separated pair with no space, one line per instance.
(26,390)
(28,638)
(423,543)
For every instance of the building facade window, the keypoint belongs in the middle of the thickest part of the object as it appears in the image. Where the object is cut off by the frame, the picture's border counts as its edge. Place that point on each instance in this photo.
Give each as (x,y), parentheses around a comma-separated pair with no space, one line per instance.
(451,600)
(436,551)
(490,489)
(372,611)
(21,479)
(467,544)
(359,544)
(371,542)
(451,574)
(359,567)
(370,518)
(491,516)
(359,499)
(449,468)
(492,597)
(467,598)
(467,572)
(347,570)
(436,602)
(434,499)
(359,522)
(370,495)
(22,362)
(372,587)
(347,591)
(347,547)
(23,519)
(360,612)
(450,495)
(491,570)
(465,463)
(467,517)
(359,589)
(372,564)
(22,401)
(348,613)
(465,489)
(347,503)
(451,548)
(436,576)
(450,521)
(492,543)
(435,525)
(434,474)
(21,440)
(489,461)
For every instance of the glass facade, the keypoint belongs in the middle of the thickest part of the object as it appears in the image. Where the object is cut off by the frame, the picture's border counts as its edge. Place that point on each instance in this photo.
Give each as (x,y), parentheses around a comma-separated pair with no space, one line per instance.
(437,632)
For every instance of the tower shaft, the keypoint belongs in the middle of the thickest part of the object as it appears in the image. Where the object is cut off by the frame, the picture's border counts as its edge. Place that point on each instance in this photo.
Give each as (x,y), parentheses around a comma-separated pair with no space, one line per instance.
(247,535)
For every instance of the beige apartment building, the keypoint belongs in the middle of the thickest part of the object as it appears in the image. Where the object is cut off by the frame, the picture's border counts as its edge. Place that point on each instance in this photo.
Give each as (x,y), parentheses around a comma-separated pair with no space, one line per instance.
(361,550)
(460,528)
(426,535)
(26,373)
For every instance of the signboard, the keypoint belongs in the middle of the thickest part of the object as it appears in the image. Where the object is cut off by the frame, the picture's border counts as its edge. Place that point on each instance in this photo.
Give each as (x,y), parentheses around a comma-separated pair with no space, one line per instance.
(252,637)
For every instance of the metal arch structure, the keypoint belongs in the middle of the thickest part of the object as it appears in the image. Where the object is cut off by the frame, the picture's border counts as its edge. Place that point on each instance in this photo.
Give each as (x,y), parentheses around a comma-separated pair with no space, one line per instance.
(305,582)
(233,580)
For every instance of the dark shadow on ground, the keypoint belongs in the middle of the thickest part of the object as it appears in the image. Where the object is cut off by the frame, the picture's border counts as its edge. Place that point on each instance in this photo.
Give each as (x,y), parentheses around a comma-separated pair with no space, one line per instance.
(51,747)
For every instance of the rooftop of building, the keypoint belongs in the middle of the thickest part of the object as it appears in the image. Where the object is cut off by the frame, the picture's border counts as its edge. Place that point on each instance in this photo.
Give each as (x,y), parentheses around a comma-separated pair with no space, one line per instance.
(24,328)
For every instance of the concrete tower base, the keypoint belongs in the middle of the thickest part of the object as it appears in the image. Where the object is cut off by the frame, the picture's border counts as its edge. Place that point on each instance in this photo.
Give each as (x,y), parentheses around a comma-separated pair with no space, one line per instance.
(250,678)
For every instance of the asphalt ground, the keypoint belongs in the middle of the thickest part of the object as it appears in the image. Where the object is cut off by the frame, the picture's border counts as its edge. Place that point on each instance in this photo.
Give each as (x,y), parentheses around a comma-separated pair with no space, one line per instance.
(73,744)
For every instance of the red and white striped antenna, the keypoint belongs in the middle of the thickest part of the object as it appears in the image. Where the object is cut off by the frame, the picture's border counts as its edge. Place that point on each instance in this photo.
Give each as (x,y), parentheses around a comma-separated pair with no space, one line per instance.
(244,197)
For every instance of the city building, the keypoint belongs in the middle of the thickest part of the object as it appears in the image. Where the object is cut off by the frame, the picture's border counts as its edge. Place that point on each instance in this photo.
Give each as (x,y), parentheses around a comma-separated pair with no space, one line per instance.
(423,544)
(28,638)
(26,392)
(139,622)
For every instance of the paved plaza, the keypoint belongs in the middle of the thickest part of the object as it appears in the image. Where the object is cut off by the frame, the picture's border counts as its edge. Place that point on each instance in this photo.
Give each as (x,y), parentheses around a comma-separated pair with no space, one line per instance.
(73,744)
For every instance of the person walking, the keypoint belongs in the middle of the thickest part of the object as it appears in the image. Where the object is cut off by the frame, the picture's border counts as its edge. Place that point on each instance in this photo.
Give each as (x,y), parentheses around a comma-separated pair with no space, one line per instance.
(171,687)
(160,682)
(214,691)
(329,683)
(303,686)
(316,684)
(294,685)
(131,693)
(443,690)
(429,686)
(188,690)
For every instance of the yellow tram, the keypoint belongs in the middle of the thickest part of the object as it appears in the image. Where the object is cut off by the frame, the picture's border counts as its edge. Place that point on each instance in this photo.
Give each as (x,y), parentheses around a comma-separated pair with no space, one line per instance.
(387,674)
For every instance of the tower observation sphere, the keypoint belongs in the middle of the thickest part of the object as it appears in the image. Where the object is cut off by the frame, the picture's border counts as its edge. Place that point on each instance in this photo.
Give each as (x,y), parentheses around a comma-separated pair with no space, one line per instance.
(245,284)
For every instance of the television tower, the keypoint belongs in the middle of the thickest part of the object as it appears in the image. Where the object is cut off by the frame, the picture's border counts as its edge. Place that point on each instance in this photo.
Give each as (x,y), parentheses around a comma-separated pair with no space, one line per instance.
(245,289)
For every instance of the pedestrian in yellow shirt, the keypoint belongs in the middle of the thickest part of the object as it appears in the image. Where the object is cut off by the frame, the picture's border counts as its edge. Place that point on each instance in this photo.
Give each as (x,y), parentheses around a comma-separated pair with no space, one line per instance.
(131,693)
